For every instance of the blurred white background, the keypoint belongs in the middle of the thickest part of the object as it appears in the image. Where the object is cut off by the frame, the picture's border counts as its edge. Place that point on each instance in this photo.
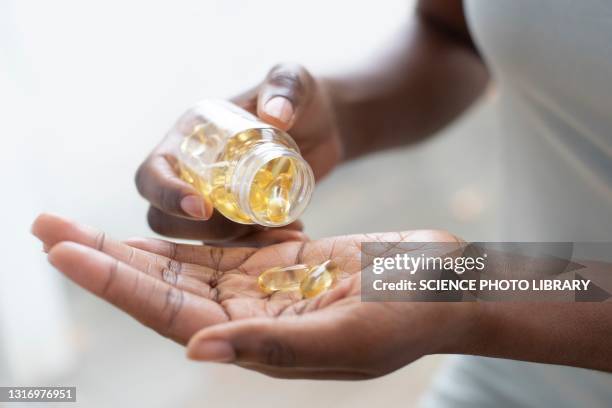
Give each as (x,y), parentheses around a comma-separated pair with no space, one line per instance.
(88,88)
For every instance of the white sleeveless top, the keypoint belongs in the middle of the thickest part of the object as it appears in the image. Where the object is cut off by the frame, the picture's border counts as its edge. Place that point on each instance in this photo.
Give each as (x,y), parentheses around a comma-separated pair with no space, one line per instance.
(552,64)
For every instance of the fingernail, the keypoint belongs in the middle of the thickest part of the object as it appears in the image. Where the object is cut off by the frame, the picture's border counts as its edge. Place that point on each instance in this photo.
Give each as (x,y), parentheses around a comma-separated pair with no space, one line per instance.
(218,351)
(193,205)
(280,108)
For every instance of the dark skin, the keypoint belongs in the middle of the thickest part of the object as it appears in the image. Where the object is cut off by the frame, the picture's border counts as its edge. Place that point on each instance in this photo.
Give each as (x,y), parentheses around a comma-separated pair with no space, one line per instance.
(206,296)
(178,289)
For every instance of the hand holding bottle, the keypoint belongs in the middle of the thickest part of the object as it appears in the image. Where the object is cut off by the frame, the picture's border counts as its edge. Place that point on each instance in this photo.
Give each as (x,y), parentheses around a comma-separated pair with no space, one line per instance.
(290,99)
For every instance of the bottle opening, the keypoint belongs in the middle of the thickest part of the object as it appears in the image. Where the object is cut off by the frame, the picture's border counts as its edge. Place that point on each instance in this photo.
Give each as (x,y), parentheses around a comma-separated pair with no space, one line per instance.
(273,184)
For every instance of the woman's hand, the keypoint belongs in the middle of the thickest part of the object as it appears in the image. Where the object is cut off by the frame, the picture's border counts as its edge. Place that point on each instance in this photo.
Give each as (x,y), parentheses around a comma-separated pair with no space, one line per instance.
(210,295)
(289,98)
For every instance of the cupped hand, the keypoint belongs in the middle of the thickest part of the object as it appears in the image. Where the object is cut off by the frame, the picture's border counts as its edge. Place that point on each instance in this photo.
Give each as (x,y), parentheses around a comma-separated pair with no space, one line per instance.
(207,297)
(288,98)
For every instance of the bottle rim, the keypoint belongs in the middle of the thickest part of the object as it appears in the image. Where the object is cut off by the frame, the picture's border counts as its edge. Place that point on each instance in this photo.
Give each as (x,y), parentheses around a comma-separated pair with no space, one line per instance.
(248,166)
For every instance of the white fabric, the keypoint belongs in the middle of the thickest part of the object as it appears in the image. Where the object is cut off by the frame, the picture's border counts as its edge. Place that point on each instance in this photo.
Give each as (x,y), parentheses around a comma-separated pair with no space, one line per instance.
(552,63)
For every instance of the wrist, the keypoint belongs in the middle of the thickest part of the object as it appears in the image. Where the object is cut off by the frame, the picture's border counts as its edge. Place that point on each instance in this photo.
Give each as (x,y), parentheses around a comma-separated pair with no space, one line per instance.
(462,330)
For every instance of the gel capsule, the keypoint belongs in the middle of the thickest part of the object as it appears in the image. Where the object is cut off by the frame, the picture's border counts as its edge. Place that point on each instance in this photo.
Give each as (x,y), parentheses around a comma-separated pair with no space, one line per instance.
(251,172)
(283,279)
(319,279)
(278,203)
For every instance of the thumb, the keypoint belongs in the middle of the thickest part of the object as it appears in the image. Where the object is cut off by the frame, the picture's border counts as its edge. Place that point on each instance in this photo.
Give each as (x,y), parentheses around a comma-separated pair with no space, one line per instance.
(283,94)
(318,339)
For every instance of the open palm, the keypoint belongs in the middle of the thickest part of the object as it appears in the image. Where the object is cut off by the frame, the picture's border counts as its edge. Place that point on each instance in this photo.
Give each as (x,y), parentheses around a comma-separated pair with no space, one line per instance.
(180,290)
(177,289)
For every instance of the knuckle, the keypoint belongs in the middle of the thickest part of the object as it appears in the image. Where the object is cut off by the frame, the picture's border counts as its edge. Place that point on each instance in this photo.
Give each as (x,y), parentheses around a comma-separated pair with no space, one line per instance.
(286,79)
(275,353)
(169,199)
(169,276)
(289,76)
(154,183)
(112,274)
(173,305)
(99,241)
(144,177)
(217,254)
(289,67)
(131,256)
(171,272)
(172,251)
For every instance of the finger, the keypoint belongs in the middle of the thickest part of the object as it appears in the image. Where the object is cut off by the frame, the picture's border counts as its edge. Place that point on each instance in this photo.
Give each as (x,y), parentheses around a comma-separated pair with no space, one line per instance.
(260,237)
(216,229)
(52,229)
(271,237)
(216,258)
(170,311)
(247,100)
(220,230)
(318,339)
(284,94)
(306,373)
(296,225)
(194,278)
(158,182)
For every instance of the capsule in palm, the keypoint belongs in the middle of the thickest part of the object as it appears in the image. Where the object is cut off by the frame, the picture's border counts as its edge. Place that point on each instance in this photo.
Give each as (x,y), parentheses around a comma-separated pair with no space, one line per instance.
(283,279)
(319,279)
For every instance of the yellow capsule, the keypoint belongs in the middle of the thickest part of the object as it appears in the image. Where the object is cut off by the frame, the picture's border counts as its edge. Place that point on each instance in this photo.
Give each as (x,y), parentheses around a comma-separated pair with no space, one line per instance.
(270,190)
(280,166)
(319,279)
(278,203)
(282,279)
(186,174)
(195,143)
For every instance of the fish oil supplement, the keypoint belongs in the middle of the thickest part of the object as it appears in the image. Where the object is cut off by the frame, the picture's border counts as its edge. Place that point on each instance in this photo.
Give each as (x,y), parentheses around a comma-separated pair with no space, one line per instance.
(309,280)
(252,172)
(282,279)
(319,279)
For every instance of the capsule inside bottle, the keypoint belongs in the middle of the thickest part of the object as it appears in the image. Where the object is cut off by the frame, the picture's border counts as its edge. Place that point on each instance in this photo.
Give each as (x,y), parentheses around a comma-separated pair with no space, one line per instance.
(270,191)
(249,171)
(278,201)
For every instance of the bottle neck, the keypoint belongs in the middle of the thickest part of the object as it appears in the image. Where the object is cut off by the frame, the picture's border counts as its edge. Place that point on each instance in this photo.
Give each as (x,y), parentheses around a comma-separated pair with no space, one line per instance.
(253,198)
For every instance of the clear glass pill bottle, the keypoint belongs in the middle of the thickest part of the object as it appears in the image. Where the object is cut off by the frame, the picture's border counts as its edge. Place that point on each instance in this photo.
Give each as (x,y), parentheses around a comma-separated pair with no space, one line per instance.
(252,172)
